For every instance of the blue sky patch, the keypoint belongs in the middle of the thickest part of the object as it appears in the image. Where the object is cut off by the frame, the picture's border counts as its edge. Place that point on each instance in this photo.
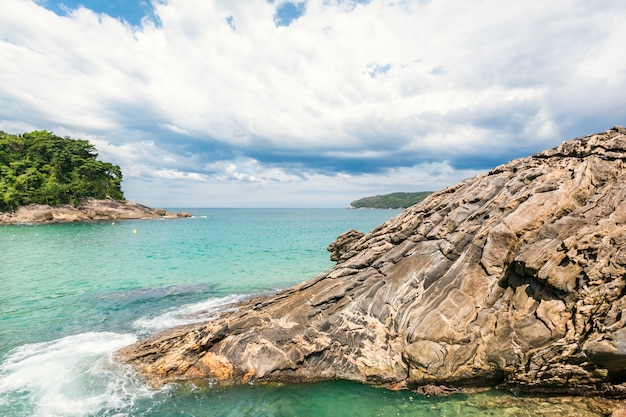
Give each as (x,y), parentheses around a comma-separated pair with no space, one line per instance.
(376,69)
(288,12)
(231,22)
(132,11)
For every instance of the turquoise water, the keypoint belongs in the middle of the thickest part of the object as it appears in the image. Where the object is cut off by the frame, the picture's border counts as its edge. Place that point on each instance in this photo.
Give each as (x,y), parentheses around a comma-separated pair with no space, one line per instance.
(72,294)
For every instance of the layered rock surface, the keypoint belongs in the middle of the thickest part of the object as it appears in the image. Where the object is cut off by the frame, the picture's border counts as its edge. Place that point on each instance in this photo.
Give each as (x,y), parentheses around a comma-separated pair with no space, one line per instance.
(516,277)
(90,209)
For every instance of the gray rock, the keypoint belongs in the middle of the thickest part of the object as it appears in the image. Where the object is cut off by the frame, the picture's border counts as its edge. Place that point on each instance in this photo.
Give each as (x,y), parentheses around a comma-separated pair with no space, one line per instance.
(514,278)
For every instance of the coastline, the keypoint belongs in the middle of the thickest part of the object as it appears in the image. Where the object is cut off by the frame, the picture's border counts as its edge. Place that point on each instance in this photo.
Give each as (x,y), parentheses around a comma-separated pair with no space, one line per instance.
(88,210)
(106,284)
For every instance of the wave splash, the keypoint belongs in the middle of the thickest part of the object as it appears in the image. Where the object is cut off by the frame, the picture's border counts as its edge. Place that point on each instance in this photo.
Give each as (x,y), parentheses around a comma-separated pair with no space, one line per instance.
(188,314)
(74,376)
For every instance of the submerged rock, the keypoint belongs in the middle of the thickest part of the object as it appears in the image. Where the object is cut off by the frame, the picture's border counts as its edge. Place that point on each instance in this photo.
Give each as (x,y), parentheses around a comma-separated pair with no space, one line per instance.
(514,278)
(90,209)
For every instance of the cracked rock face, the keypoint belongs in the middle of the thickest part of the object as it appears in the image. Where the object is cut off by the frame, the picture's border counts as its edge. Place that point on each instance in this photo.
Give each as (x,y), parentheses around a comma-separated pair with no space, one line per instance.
(515,278)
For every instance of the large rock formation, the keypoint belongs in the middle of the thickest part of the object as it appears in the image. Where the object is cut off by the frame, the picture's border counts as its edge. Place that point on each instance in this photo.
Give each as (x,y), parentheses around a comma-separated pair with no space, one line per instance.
(88,210)
(516,277)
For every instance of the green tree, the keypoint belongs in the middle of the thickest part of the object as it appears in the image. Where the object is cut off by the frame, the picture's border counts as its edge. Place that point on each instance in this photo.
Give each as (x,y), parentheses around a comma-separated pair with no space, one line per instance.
(40,167)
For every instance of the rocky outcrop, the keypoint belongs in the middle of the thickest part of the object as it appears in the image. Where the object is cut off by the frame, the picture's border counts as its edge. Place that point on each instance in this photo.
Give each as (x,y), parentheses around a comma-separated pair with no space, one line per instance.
(343,243)
(90,209)
(514,278)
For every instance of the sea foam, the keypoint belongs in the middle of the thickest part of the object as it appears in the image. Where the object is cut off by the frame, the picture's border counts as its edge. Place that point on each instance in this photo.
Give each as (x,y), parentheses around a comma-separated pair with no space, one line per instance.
(188,314)
(73,376)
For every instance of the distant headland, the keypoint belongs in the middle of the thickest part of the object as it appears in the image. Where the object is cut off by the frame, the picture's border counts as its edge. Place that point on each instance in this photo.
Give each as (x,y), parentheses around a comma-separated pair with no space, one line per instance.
(390,201)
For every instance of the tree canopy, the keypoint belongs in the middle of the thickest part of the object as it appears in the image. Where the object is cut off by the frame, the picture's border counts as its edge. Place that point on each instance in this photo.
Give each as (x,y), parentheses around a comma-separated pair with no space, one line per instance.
(41,168)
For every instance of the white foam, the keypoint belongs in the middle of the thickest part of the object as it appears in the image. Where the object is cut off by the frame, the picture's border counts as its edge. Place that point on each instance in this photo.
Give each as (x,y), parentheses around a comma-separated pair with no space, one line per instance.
(71,377)
(187,314)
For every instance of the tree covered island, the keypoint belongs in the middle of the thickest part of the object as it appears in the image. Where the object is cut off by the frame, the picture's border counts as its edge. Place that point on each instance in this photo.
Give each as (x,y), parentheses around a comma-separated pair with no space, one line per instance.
(42,168)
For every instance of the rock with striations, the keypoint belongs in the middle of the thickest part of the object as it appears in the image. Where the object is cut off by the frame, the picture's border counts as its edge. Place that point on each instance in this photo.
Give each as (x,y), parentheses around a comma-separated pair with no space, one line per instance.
(514,278)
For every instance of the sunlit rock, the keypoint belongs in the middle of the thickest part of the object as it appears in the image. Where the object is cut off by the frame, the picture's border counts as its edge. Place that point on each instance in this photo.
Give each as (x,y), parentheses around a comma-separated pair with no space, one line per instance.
(515,278)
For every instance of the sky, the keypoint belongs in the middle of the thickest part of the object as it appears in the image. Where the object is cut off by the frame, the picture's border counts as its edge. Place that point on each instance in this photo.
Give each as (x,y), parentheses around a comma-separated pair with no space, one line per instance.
(315,103)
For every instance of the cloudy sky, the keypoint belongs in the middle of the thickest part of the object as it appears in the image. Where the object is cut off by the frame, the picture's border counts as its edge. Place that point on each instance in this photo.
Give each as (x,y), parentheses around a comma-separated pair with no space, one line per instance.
(315,103)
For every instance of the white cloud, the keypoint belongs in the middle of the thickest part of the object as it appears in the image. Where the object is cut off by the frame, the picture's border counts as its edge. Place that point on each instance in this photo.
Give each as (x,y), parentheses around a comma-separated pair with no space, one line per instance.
(408,81)
(174,128)
(231,172)
(178,175)
(309,190)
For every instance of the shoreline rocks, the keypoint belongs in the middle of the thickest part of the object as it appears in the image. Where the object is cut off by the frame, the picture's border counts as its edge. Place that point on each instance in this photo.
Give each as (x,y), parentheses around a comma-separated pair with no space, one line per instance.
(88,210)
(512,279)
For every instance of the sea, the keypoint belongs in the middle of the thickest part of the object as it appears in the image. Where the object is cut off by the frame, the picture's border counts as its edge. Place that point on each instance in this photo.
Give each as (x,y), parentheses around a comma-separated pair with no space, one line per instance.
(72,294)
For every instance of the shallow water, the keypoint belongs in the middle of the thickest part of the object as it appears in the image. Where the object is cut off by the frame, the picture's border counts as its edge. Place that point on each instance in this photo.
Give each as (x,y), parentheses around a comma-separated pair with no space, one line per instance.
(72,294)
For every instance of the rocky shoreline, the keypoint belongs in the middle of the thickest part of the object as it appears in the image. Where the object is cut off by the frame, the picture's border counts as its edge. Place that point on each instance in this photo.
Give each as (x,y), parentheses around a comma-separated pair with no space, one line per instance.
(513,279)
(88,210)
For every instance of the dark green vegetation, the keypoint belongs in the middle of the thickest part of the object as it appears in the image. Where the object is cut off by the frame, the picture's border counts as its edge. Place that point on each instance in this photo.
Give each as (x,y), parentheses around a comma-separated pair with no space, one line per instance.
(42,168)
(393,200)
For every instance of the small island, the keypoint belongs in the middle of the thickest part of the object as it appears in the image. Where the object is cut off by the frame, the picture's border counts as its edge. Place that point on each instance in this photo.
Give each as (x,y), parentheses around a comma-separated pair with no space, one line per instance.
(45,178)
(390,201)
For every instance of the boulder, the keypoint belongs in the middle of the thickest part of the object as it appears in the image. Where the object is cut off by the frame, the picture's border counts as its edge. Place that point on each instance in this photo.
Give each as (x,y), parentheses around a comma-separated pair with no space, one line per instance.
(515,278)
(343,243)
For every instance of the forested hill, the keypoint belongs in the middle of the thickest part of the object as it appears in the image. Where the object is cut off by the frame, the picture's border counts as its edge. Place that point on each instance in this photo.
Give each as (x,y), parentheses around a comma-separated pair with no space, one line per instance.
(390,201)
(39,167)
